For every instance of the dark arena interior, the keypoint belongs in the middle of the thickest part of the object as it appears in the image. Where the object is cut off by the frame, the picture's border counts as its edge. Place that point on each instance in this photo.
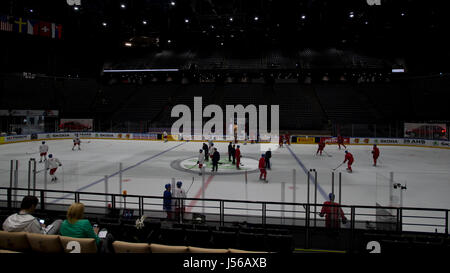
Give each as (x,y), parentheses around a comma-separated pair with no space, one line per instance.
(357,73)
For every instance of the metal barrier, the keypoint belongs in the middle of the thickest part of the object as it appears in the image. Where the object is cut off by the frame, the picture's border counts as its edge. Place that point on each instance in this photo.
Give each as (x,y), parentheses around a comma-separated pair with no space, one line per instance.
(226,211)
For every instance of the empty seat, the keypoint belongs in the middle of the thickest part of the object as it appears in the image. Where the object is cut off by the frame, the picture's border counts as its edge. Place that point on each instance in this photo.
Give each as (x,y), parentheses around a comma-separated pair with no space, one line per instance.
(15,241)
(126,247)
(158,248)
(201,238)
(224,239)
(45,243)
(84,245)
(279,243)
(252,241)
(172,236)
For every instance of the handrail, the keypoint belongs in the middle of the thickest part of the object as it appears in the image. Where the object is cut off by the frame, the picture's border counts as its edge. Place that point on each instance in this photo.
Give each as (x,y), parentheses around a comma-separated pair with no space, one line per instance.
(232,201)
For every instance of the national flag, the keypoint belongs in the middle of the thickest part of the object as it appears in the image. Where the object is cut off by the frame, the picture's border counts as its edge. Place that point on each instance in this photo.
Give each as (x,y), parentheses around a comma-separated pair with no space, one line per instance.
(5,23)
(33,27)
(45,29)
(56,31)
(20,25)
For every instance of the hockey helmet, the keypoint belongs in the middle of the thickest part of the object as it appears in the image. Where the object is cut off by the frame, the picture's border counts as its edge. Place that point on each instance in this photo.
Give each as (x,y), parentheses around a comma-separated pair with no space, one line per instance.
(263,155)
(238,146)
(179,183)
(50,156)
(331,196)
(200,150)
(346,152)
(167,186)
(43,142)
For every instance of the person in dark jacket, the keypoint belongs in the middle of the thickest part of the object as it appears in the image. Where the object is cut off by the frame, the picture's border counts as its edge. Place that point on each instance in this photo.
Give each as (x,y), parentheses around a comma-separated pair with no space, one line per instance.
(206,149)
(167,202)
(267,157)
(233,154)
(215,159)
(230,147)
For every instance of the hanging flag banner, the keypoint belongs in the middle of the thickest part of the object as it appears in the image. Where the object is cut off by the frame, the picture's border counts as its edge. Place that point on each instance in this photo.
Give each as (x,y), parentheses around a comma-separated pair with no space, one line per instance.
(30,26)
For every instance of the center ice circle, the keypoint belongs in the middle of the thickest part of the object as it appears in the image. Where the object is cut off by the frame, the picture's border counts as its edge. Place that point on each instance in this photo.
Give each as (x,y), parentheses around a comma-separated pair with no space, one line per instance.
(225,167)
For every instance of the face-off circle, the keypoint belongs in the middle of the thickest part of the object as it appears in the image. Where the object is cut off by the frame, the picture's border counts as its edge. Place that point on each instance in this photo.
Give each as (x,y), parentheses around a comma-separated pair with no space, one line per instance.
(225,167)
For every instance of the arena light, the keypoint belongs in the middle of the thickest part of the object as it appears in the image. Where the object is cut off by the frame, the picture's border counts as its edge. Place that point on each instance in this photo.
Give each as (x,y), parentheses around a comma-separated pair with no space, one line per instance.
(256,18)
(186,21)
(144,22)
(104,24)
(127,44)
(123,6)
(141,70)
(398,70)
(76,8)
(172,3)
(231,19)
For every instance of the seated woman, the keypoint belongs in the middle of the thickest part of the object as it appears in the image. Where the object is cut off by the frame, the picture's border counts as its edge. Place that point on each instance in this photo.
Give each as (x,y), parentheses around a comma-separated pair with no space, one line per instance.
(77,227)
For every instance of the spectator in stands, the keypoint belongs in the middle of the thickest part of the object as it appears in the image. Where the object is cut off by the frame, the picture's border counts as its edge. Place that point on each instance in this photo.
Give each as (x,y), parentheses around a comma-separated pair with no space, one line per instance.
(77,227)
(332,212)
(167,202)
(24,221)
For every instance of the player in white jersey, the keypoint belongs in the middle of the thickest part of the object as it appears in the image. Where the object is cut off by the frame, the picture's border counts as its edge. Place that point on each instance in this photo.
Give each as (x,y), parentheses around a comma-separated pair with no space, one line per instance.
(52,164)
(165,136)
(76,141)
(201,160)
(179,203)
(43,149)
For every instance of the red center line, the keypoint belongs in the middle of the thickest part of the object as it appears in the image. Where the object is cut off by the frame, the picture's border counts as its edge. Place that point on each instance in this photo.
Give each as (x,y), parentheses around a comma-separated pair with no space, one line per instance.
(199,193)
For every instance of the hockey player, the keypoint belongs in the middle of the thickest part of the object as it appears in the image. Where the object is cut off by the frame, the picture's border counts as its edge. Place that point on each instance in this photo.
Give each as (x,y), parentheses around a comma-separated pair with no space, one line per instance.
(238,157)
(349,158)
(267,158)
(179,203)
(215,160)
(287,139)
(262,168)
(375,153)
(321,147)
(281,141)
(167,201)
(333,213)
(76,141)
(200,161)
(233,153)
(43,149)
(206,150)
(340,141)
(230,147)
(52,165)
(165,136)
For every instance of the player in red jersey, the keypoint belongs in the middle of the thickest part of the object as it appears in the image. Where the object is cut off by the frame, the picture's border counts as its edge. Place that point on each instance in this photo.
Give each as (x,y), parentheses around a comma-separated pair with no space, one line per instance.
(375,153)
(238,157)
(350,159)
(321,147)
(340,141)
(262,168)
(332,213)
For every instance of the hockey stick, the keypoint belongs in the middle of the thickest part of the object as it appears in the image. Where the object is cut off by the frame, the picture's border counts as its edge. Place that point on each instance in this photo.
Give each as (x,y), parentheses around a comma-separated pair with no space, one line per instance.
(193,166)
(338,166)
(327,154)
(190,185)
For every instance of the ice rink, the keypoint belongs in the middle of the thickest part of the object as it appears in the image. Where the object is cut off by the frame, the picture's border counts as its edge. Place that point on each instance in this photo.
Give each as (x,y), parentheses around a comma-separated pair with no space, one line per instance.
(148,165)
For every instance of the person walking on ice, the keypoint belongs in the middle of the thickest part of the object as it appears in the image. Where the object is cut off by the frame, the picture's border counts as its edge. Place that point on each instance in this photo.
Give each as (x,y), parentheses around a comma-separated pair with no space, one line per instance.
(376,154)
(43,149)
(200,161)
(262,168)
(52,165)
(76,141)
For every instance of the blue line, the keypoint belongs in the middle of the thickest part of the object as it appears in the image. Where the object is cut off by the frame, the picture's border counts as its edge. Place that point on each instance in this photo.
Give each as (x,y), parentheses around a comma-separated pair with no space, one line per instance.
(116,173)
(322,192)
